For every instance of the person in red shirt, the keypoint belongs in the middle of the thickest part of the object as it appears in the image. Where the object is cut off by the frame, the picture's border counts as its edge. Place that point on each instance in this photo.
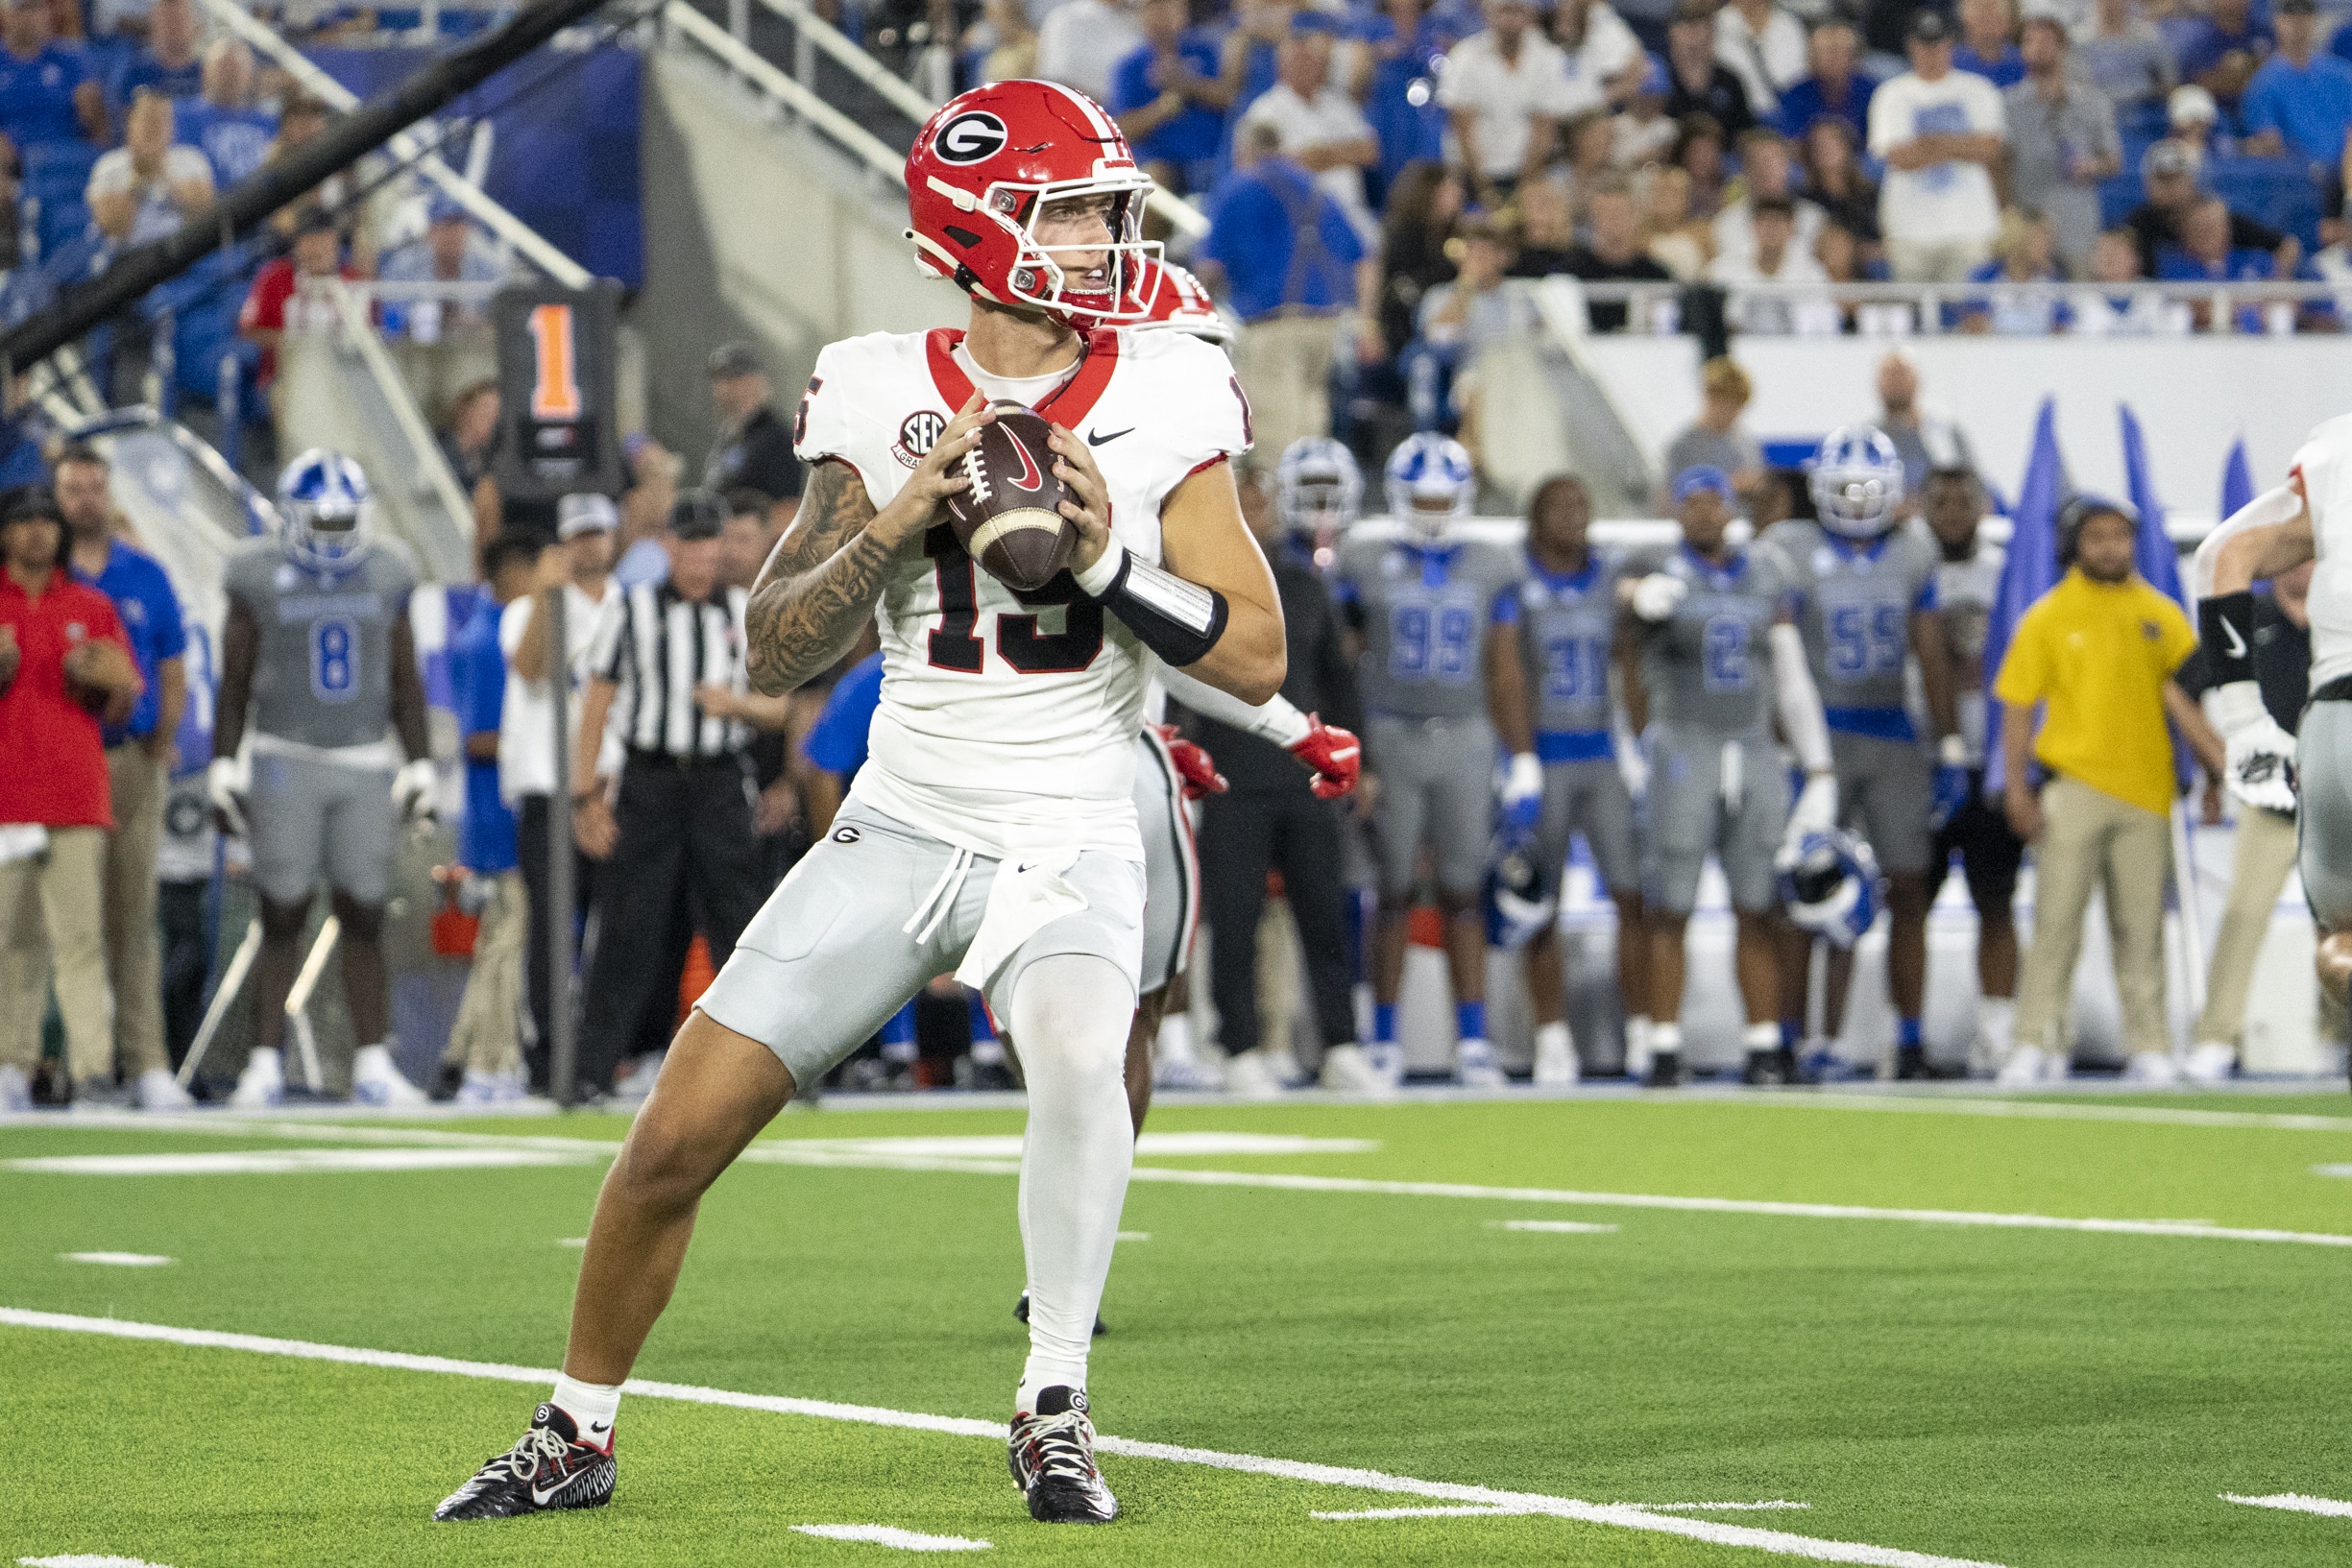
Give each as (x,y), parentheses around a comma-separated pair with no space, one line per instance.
(272,307)
(65,664)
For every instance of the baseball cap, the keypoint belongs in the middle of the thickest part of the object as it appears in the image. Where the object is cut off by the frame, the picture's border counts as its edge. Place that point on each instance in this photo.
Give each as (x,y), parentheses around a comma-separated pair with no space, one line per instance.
(697,514)
(1928,27)
(733,359)
(2191,105)
(2296,8)
(2168,157)
(1702,476)
(585,513)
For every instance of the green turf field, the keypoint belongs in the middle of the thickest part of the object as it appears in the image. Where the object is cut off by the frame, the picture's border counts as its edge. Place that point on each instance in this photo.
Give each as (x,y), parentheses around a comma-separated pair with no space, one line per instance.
(1590,1312)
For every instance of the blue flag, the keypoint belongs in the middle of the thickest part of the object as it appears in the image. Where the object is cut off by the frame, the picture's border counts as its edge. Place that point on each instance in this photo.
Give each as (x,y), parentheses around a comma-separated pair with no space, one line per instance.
(2030,571)
(2153,555)
(2237,481)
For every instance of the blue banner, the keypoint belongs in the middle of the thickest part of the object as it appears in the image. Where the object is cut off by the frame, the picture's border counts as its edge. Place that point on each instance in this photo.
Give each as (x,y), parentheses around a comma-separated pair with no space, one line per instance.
(2237,481)
(2030,570)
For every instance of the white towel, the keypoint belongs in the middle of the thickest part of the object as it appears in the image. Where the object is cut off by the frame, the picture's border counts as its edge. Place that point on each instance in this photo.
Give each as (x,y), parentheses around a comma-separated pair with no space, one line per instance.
(1029,892)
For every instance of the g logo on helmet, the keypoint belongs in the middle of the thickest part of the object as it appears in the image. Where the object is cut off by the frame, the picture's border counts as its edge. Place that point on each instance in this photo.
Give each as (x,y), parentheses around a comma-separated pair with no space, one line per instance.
(970,137)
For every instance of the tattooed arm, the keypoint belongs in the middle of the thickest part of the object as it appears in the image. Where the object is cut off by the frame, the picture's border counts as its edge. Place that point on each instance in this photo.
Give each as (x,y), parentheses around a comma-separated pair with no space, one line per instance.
(825,574)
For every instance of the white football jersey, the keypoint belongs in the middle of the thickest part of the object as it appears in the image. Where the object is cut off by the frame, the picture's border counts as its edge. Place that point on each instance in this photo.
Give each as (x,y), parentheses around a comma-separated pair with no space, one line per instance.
(2325,463)
(1008,722)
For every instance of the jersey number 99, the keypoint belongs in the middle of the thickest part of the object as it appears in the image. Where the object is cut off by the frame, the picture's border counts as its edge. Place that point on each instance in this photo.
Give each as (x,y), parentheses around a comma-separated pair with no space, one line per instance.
(1426,644)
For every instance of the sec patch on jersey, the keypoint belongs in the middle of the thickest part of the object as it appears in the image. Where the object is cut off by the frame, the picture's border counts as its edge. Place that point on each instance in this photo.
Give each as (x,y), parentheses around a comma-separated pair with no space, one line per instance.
(1010,520)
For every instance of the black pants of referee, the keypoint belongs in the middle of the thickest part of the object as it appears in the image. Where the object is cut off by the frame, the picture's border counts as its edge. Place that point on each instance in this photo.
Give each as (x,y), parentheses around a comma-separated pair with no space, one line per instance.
(1244,835)
(547,986)
(682,826)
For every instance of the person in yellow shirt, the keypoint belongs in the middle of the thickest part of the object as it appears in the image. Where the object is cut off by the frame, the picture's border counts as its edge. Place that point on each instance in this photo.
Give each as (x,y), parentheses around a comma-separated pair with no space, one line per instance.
(2099,650)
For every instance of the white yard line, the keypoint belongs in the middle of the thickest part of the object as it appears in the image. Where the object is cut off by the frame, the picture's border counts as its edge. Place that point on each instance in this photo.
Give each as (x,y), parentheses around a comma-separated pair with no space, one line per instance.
(1422,1513)
(84,1560)
(119,1260)
(2294,1503)
(1619,1516)
(904,1541)
(1557,1228)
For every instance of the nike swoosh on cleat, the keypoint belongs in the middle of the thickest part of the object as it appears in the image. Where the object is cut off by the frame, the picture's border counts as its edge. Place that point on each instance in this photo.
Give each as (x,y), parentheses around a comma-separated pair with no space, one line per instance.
(541,1498)
(1095,438)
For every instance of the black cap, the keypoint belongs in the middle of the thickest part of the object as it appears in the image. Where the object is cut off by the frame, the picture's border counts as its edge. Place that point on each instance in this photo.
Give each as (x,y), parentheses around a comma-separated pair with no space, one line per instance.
(2296,8)
(733,359)
(697,513)
(26,502)
(1693,10)
(314,220)
(1928,27)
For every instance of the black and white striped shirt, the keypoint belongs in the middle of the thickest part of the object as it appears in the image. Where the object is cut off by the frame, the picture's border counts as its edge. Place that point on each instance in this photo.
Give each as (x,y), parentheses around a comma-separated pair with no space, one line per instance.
(658,647)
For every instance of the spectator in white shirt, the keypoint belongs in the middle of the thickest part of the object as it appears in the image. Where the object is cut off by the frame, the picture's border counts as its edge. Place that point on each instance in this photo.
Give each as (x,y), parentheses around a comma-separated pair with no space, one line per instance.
(1082,42)
(1319,126)
(1766,164)
(1776,258)
(144,190)
(1645,133)
(1503,90)
(2117,310)
(1939,131)
(1764,47)
(1604,59)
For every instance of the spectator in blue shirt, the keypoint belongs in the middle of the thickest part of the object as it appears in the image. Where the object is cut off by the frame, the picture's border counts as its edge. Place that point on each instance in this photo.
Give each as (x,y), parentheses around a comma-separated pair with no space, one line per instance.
(138,767)
(2300,103)
(1293,263)
(1401,42)
(836,743)
(1988,42)
(2205,255)
(485,1049)
(46,94)
(1168,97)
(1837,90)
(169,63)
(224,123)
(2221,51)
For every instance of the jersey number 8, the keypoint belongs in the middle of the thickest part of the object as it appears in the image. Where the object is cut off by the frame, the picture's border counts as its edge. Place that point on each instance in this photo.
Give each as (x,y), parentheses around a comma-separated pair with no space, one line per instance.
(334,659)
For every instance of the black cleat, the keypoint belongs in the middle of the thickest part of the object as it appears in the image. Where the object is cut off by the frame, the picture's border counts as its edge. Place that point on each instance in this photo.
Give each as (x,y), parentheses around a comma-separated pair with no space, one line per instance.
(1776,1065)
(1666,1070)
(549,1468)
(1020,1315)
(1052,1455)
(1911,1064)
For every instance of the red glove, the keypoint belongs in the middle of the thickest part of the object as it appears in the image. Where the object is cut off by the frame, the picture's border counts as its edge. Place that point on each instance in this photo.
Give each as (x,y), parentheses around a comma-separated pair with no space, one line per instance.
(1335,754)
(1195,767)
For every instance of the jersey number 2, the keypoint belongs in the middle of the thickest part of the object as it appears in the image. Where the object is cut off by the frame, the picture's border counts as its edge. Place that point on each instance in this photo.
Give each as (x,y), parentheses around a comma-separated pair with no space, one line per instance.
(1018,641)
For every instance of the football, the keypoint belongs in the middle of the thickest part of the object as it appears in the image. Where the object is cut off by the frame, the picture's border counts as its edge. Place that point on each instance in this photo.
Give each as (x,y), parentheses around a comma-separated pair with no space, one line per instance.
(1009,519)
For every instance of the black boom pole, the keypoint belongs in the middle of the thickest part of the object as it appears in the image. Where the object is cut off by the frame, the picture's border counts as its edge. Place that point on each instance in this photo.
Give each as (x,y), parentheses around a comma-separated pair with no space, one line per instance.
(254,198)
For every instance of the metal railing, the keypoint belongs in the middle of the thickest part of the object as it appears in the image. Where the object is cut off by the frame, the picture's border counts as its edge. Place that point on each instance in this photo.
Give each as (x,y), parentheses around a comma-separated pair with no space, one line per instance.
(407,146)
(2151,309)
(813,34)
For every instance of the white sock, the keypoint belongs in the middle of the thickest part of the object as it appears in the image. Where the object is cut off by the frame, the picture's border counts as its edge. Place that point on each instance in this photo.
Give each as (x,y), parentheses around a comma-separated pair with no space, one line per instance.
(1665,1038)
(1761,1037)
(1176,1038)
(264,1060)
(1071,1013)
(1996,1019)
(592,1406)
(988,1053)
(1552,1036)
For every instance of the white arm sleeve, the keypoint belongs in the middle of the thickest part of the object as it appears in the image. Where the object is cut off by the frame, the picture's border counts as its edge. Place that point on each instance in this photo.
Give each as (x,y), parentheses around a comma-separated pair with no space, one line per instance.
(1801,715)
(2266,510)
(1275,720)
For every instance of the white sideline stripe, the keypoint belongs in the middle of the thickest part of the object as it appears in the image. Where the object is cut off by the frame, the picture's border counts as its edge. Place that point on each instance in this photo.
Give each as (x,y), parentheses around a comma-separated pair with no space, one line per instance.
(1562,1227)
(1008,1146)
(84,1560)
(1622,1515)
(1472,1513)
(119,1260)
(2294,1503)
(287,1161)
(906,1540)
(2039,1110)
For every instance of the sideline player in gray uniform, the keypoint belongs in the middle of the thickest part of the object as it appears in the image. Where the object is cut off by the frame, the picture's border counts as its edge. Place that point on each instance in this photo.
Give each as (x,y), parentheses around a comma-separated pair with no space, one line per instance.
(318,657)
(1422,606)
(1714,615)
(1568,637)
(1865,579)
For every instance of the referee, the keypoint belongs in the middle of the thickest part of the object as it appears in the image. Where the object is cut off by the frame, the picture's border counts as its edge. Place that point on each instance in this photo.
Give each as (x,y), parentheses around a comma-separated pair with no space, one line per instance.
(665,673)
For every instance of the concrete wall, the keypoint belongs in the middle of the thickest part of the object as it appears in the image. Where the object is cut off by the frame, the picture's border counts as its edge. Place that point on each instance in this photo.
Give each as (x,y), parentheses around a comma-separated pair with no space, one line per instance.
(755,230)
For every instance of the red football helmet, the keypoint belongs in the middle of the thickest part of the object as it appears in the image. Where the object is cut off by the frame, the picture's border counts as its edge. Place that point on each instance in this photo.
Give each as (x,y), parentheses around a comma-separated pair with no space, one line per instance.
(1167,295)
(989,161)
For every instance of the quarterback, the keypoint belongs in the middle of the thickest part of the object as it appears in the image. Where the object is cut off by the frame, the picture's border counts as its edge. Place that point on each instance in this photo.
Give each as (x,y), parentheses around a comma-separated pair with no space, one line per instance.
(993,831)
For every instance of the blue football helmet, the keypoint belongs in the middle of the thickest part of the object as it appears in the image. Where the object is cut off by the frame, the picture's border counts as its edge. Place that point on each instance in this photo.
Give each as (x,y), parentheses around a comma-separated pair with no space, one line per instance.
(1857,482)
(1834,888)
(1519,906)
(322,503)
(1431,482)
(1319,492)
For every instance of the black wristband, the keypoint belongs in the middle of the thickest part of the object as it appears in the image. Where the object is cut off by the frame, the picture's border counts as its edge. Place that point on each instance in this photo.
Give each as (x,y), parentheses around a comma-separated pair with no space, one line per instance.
(1177,619)
(2226,625)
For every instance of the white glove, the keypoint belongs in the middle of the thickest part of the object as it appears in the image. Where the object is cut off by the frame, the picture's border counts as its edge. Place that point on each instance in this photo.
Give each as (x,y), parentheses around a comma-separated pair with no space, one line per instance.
(1815,812)
(1634,767)
(1522,793)
(413,788)
(226,781)
(1656,596)
(2260,766)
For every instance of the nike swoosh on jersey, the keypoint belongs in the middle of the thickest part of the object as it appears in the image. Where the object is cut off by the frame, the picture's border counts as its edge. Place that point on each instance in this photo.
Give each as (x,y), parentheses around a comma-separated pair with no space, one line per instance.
(1095,438)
